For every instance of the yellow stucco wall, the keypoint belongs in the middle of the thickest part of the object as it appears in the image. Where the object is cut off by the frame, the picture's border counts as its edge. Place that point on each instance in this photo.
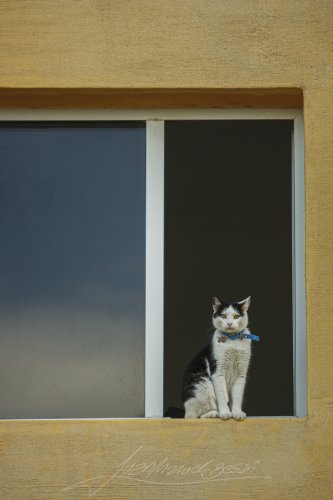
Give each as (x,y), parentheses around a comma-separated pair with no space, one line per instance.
(186,44)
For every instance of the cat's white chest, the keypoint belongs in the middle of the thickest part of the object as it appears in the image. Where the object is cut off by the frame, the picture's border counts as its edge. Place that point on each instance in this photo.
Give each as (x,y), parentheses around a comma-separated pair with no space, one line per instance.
(232,357)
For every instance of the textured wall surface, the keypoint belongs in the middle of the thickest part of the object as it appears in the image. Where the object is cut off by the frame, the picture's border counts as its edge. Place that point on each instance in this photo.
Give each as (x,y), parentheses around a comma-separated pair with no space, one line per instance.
(186,44)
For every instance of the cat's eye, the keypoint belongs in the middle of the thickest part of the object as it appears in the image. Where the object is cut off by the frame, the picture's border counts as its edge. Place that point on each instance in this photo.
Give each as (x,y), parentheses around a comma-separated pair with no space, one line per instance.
(223,316)
(236,316)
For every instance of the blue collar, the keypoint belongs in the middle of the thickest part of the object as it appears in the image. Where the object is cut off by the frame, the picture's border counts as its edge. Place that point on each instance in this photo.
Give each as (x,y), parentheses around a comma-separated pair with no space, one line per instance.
(240,335)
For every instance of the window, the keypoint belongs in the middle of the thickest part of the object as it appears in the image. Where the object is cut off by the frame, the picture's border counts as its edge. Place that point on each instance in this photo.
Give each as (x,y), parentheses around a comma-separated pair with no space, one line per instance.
(72,266)
(93,312)
(228,230)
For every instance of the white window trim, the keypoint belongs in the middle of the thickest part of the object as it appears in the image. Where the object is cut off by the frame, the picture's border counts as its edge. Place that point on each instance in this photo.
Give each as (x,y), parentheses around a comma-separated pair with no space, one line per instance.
(155,229)
(154,269)
(298,269)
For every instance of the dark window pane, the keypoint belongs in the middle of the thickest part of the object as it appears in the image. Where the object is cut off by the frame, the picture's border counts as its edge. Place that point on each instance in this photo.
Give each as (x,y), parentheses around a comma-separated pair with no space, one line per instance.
(72,270)
(228,232)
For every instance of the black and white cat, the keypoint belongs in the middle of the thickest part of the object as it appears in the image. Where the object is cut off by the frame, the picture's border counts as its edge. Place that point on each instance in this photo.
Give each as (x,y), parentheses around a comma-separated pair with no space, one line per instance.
(214,381)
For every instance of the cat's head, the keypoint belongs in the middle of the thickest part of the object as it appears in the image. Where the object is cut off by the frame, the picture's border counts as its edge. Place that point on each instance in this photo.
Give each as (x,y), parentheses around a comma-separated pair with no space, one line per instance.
(230,318)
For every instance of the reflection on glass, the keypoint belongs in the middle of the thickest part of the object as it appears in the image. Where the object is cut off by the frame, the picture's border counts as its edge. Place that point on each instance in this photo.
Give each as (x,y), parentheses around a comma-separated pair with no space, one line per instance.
(72,270)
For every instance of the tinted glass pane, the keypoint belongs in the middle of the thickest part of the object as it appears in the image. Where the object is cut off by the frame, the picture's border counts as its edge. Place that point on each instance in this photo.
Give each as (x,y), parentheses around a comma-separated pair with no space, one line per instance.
(72,270)
(228,232)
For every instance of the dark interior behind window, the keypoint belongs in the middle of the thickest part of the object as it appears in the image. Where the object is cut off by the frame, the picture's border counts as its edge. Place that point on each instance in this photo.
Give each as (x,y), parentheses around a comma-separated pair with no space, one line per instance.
(228,231)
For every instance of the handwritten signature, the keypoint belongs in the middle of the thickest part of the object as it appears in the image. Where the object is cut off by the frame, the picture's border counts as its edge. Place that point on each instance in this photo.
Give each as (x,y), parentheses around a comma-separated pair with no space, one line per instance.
(164,472)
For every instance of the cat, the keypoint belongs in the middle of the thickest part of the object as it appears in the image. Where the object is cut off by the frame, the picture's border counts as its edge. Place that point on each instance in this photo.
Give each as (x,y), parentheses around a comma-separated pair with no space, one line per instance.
(214,381)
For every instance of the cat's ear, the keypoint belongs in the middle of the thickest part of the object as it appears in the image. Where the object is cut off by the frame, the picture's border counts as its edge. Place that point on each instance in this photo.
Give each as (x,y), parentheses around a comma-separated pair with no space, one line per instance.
(217,303)
(245,304)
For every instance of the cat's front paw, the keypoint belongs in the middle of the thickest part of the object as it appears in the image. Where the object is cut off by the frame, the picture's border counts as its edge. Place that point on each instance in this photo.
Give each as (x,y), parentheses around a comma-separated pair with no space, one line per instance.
(225,414)
(238,414)
(210,414)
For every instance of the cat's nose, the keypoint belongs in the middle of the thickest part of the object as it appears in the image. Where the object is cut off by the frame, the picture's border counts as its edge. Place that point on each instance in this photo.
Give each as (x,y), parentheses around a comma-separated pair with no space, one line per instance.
(229,324)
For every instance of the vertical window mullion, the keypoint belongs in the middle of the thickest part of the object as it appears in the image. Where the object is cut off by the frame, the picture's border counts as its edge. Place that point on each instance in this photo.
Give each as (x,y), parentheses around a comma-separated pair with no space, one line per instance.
(154,268)
(300,349)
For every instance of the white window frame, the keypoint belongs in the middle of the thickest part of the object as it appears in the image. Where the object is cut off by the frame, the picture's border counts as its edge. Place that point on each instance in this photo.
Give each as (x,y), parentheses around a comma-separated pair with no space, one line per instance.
(155,228)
